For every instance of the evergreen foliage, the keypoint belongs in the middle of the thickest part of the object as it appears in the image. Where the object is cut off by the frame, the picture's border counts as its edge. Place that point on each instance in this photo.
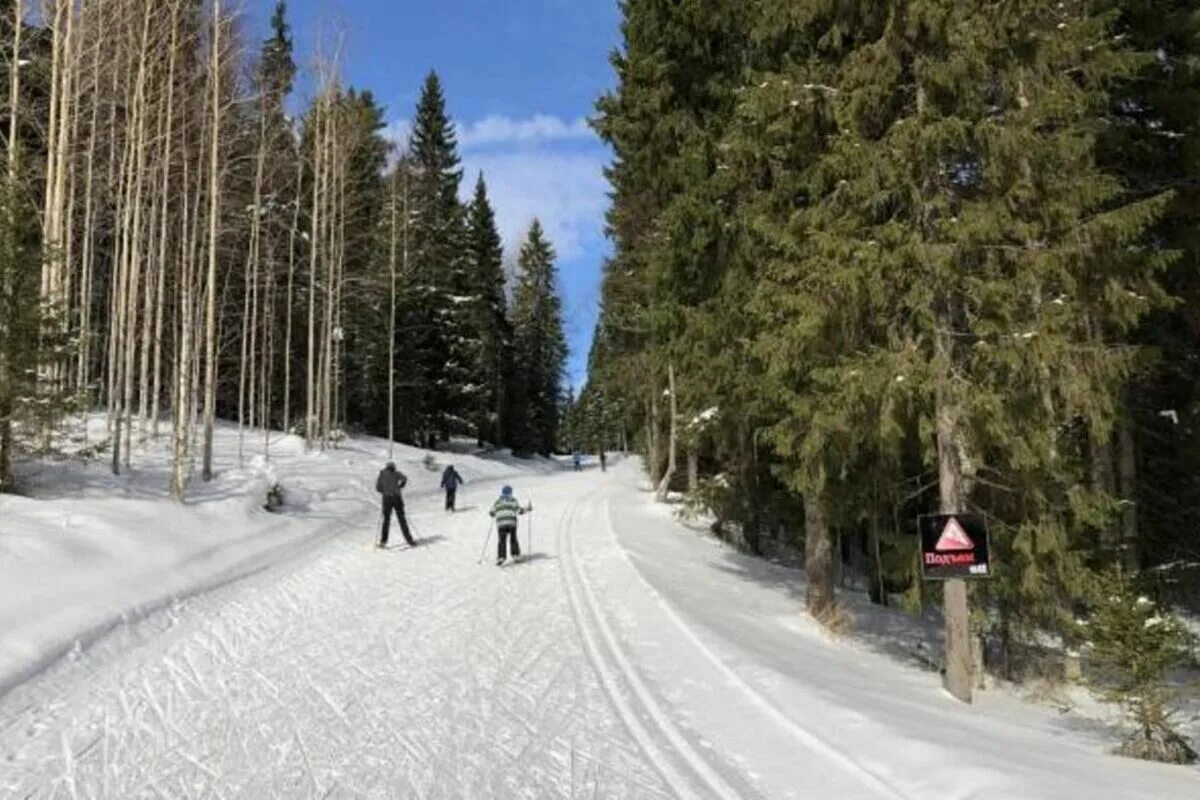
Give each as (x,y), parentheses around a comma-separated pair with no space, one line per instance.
(908,237)
(1136,645)
(539,346)
(489,320)
(437,328)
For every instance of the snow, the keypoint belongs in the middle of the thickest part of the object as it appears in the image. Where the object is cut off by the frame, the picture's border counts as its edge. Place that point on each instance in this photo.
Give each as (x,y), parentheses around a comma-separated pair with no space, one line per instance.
(627,656)
(89,550)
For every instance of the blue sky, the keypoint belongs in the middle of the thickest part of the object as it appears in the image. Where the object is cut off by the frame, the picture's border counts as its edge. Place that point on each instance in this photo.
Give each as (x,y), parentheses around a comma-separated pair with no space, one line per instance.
(520,77)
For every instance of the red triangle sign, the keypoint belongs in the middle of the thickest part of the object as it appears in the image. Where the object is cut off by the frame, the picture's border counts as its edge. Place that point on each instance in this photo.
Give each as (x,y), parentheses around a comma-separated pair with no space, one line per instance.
(954,538)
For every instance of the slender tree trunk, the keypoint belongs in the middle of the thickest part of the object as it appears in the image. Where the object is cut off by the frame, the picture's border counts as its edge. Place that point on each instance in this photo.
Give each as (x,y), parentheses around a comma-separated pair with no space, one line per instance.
(86,285)
(693,467)
(7,288)
(664,486)
(291,279)
(392,319)
(164,222)
(653,436)
(214,212)
(1128,471)
(310,413)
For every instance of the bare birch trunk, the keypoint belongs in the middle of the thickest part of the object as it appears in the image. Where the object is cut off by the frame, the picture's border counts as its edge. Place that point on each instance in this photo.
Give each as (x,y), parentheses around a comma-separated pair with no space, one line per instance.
(287,335)
(214,212)
(392,320)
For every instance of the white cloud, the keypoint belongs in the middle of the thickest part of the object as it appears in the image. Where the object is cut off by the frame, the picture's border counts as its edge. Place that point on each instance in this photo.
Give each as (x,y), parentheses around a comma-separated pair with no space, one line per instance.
(399,131)
(566,191)
(497,131)
(502,130)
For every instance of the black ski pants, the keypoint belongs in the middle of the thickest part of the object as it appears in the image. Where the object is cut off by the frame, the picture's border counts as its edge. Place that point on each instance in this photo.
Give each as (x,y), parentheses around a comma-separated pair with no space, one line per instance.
(395,504)
(450,495)
(504,534)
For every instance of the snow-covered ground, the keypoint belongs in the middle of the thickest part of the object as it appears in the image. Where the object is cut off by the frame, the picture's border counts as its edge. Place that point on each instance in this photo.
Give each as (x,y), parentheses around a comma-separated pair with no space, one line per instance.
(626,657)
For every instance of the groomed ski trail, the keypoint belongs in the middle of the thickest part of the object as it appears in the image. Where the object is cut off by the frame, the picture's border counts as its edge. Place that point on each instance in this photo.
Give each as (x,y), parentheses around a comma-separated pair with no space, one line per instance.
(623,657)
(359,673)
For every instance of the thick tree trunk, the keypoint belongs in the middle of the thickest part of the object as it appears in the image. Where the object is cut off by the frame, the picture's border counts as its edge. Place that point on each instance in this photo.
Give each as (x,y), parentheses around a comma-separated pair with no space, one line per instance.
(959,678)
(818,559)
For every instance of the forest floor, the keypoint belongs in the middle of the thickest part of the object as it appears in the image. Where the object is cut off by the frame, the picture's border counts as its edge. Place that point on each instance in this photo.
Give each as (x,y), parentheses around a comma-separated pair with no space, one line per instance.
(217,650)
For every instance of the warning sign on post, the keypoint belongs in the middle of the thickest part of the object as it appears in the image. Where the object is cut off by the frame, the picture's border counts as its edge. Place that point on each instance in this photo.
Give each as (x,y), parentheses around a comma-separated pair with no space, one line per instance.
(954,546)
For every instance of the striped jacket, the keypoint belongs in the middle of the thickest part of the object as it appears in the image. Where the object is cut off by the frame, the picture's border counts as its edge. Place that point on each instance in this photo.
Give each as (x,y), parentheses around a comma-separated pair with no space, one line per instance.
(506,510)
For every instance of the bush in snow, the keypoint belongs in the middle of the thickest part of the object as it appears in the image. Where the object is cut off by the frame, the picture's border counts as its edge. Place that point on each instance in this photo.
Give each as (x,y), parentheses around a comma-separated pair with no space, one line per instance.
(430,462)
(1136,644)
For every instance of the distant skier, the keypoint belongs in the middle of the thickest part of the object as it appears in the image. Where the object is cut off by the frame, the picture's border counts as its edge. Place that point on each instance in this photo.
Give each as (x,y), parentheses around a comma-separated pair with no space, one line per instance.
(603,461)
(506,512)
(388,484)
(451,480)
(578,461)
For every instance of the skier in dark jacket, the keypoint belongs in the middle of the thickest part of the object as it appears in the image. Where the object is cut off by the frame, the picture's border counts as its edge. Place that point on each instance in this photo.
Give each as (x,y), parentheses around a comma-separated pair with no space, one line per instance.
(388,484)
(507,512)
(451,480)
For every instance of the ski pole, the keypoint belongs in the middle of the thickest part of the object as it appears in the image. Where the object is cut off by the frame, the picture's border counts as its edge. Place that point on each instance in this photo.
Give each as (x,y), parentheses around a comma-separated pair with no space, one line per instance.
(531,526)
(486,539)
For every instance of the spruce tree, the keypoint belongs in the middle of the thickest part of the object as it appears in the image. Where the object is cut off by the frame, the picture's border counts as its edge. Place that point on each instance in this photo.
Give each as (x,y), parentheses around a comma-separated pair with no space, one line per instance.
(1151,139)
(490,318)
(984,264)
(539,347)
(438,344)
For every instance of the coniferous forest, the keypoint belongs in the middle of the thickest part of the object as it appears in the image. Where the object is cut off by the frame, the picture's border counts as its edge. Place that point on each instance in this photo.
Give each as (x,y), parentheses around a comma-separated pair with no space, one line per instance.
(185,238)
(881,259)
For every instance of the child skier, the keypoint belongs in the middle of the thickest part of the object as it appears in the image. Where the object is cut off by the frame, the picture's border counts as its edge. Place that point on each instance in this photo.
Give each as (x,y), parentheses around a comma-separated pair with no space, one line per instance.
(506,512)
(451,480)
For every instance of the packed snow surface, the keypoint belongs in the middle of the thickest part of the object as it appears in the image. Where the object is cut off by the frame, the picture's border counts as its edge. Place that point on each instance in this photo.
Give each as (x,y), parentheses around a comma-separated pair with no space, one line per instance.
(228,652)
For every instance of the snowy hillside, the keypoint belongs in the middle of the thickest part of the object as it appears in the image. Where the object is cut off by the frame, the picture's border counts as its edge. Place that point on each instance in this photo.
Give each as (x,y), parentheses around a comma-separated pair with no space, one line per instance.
(624,657)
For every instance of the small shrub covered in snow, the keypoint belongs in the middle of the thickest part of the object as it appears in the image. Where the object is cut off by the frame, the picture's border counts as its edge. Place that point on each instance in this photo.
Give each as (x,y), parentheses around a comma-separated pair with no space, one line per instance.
(1136,644)
(430,462)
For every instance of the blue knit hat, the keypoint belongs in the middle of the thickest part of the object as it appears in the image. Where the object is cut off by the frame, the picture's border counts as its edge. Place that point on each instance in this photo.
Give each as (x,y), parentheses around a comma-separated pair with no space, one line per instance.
(506,491)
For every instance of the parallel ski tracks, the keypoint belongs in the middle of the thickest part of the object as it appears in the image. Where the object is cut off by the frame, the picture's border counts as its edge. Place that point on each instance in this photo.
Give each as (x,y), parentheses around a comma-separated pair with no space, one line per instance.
(644,716)
(650,725)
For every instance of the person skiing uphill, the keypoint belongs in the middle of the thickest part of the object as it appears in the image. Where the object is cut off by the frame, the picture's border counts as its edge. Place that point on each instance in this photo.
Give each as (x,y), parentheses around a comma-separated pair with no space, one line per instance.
(506,511)
(388,484)
(451,480)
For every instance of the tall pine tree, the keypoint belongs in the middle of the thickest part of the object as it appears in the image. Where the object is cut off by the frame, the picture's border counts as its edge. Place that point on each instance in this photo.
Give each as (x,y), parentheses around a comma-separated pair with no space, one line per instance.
(438,347)
(490,318)
(539,345)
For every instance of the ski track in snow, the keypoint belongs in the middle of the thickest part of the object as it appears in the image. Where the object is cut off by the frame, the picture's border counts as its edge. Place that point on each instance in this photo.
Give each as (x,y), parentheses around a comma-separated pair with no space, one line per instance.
(624,658)
(360,674)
